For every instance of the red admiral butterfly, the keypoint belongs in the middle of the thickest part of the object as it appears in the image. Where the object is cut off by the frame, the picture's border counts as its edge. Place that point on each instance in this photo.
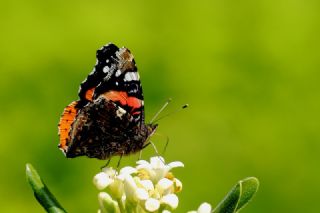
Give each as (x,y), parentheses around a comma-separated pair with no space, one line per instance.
(108,119)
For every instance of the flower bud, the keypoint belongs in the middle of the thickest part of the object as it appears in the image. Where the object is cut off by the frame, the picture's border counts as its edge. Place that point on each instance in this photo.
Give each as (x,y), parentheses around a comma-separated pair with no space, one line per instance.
(204,208)
(107,204)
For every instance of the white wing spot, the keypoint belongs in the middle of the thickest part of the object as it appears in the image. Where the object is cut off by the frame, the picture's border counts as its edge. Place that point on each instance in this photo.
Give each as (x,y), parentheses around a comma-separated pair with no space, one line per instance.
(118,73)
(120,112)
(106,69)
(131,76)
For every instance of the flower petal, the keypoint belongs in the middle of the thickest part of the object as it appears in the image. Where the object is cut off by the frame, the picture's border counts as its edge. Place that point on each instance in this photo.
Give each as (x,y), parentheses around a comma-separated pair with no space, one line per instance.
(142,194)
(125,171)
(144,166)
(164,185)
(170,200)
(175,164)
(130,188)
(147,184)
(157,162)
(152,204)
(102,180)
(142,162)
(109,171)
(128,170)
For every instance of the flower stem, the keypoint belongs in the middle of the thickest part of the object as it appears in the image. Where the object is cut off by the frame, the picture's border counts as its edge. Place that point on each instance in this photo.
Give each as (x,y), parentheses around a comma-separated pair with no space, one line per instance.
(121,206)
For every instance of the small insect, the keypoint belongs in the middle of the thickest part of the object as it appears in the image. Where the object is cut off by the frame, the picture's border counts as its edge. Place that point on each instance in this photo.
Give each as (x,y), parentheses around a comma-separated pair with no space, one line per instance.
(108,119)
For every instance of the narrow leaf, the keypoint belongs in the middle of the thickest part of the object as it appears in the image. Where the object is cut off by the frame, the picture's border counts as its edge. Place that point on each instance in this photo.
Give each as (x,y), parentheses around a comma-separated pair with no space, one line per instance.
(41,192)
(238,196)
(249,187)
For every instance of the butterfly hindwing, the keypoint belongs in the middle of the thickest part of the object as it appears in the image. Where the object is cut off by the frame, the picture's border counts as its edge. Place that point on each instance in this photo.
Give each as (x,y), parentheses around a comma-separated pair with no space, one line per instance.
(103,121)
(67,118)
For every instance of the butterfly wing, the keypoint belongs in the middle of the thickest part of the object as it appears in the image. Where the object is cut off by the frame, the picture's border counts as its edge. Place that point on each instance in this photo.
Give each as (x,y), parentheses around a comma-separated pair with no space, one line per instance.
(105,58)
(108,119)
(115,77)
(103,129)
(66,120)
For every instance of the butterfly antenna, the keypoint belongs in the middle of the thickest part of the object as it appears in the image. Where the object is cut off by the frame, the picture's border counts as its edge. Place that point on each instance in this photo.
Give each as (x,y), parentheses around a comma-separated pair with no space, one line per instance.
(170,113)
(165,147)
(162,108)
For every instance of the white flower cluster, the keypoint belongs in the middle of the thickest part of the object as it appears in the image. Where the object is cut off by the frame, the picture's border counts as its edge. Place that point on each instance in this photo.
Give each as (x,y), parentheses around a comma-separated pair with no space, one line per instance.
(149,187)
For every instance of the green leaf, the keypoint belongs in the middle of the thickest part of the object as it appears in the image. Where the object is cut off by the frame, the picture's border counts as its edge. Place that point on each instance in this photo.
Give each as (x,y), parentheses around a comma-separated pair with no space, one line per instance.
(238,196)
(41,192)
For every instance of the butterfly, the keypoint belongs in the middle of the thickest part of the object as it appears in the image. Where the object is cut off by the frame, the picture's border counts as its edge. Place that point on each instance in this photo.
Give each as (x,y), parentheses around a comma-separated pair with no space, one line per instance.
(108,119)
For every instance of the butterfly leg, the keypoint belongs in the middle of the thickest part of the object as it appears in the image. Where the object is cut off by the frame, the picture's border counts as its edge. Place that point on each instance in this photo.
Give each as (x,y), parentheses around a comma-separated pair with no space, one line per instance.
(144,146)
(118,164)
(140,155)
(106,164)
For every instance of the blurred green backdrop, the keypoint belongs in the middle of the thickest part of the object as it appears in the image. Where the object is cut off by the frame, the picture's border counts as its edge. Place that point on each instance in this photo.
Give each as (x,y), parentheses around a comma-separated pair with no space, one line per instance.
(248,69)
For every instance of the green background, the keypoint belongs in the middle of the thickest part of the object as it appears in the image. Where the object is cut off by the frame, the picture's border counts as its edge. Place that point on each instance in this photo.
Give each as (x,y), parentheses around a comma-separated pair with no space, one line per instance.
(248,69)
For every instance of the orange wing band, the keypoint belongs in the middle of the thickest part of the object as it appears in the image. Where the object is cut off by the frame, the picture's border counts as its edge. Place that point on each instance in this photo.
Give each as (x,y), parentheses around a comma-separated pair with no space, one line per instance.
(89,94)
(124,99)
(66,120)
